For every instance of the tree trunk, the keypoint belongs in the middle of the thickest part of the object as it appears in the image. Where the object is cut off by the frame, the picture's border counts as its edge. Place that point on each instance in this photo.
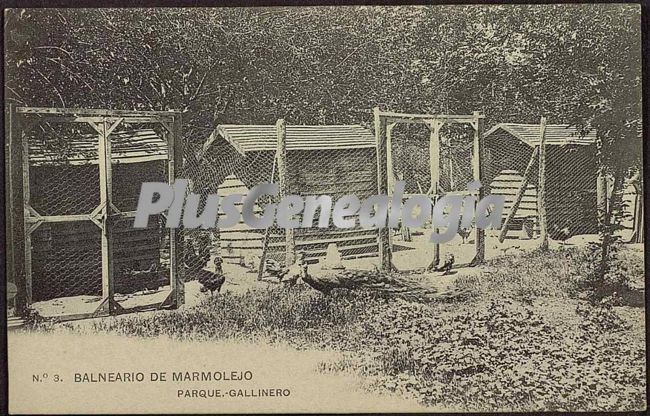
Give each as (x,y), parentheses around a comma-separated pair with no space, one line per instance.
(614,205)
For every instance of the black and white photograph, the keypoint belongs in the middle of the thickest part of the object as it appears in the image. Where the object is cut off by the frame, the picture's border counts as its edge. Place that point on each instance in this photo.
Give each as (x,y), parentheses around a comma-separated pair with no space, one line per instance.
(324,209)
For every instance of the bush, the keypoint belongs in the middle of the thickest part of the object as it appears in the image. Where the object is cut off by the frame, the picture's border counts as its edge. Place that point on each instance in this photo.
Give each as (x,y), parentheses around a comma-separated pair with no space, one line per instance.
(609,282)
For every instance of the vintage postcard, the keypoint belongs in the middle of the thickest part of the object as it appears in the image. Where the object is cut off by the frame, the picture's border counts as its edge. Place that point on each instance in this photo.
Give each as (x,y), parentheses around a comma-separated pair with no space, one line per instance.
(324,209)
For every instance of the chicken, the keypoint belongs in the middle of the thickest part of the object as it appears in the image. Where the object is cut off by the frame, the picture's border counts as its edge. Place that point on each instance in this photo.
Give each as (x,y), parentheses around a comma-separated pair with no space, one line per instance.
(286,275)
(561,234)
(212,281)
(447,265)
(464,233)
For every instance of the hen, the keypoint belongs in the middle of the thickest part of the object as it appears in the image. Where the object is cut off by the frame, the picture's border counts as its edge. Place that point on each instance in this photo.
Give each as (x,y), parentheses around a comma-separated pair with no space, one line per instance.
(212,281)
(447,265)
(285,275)
(464,233)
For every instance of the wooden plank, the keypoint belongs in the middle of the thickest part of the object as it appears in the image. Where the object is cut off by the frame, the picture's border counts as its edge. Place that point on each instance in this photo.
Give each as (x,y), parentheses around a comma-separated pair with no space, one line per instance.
(518,197)
(601,196)
(9,195)
(58,218)
(175,146)
(26,225)
(318,232)
(281,132)
(478,175)
(383,237)
(105,196)
(434,173)
(427,117)
(541,192)
(326,241)
(154,115)
(342,249)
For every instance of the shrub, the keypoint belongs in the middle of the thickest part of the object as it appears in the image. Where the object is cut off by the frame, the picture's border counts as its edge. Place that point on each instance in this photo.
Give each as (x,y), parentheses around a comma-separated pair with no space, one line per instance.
(599,282)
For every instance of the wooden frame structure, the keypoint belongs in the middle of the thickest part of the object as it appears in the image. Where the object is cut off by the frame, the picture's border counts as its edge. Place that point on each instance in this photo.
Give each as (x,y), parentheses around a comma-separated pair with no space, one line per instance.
(301,159)
(538,151)
(24,219)
(385,121)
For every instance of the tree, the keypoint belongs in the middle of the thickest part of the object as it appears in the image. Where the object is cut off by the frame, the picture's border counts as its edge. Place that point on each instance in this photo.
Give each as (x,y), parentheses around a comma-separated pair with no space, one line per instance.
(578,64)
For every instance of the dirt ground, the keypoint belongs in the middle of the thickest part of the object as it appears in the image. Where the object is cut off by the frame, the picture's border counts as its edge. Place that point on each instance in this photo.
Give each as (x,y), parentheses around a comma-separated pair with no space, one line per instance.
(407,256)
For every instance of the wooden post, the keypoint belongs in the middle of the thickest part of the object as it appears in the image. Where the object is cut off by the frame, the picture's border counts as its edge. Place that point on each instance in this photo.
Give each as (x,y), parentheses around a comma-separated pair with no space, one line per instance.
(9,195)
(601,197)
(13,211)
(383,238)
(434,155)
(477,171)
(15,214)
(267,231)
(25,214)
(175,161)
(434,171)
(541,192)
(105,198)
(389,158)
(281,132)
(519,196)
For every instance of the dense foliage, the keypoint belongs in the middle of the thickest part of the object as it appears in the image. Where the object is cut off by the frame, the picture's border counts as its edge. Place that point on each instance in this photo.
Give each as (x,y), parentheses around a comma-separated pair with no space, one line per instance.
(573,63)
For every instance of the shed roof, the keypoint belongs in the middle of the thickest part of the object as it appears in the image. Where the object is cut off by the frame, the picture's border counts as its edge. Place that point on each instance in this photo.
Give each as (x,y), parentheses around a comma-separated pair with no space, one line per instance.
(127,146)
(255,138)
(555,134)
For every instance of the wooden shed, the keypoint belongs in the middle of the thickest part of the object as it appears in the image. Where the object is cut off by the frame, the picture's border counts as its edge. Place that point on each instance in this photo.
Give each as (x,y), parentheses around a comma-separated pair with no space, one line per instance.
(330,159)
(571,174)
(64,184)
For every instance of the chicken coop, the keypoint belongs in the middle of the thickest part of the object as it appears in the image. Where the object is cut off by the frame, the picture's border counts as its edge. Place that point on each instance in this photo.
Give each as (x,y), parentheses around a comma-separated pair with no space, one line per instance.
(74,178)
(316,160)
(570,199)
(435,155)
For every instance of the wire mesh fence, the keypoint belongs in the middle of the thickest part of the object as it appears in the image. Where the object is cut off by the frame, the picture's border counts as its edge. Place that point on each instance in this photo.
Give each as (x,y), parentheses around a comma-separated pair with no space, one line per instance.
(79,213)
(140,257)
(333,172)
(66,260)
(411,161)
(224,172)
(65,196)
(66,256)
(569,194)
(456,149)
(225,169)
(509,164)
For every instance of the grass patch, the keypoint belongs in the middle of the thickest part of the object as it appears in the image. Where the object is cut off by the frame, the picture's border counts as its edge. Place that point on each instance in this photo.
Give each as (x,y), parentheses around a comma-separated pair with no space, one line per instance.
(495,351)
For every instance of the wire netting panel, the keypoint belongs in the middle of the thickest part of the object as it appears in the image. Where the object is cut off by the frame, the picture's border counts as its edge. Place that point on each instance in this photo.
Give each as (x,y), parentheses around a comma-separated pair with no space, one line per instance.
(571,200)
(336,173)
(66,256)
(199,249)
(139,153)
(505,165)
(410,157)
(66,260)
(456,149)
(225,172)
(140,258)
(64,174)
